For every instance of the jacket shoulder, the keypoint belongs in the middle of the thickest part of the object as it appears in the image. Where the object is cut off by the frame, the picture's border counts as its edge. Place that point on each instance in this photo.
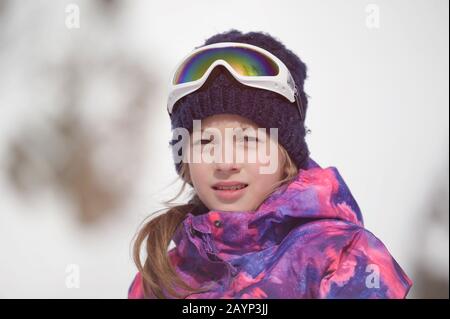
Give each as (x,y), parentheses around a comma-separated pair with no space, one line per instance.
(347,261)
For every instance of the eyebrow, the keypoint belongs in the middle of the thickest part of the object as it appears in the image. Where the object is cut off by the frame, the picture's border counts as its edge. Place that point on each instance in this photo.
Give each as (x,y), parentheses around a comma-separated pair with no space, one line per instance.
(242,127)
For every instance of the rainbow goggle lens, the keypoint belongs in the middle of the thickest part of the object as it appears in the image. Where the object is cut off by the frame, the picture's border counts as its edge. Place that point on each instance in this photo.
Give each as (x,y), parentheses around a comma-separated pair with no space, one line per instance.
(250,65)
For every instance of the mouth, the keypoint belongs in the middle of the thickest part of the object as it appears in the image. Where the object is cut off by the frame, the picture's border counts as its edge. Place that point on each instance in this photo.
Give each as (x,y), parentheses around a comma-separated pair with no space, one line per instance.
(229,191)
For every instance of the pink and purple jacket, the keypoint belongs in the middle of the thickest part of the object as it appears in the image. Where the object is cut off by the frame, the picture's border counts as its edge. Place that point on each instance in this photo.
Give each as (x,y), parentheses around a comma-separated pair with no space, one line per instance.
(306,240)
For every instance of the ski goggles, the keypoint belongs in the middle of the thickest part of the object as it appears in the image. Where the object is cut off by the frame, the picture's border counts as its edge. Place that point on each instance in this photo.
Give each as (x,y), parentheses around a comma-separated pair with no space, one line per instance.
(250,65)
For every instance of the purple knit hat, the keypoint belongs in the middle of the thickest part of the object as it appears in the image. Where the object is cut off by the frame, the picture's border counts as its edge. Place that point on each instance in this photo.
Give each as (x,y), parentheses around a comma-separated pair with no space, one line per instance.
(222,93)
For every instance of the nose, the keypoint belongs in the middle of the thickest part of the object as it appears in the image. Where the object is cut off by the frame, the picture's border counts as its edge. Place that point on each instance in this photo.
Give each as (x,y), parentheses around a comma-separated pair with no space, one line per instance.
(228,163)
(228,167)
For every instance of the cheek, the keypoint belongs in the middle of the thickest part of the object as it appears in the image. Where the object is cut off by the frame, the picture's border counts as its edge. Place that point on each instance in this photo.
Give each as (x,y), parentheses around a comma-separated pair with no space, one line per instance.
(260,181)
(263,181)
(273,158)
(199,176)
(195,172)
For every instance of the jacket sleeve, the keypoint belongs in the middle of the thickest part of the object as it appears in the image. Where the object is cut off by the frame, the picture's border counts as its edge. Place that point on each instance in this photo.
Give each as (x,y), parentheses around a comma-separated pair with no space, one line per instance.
(136,291)
(362,269)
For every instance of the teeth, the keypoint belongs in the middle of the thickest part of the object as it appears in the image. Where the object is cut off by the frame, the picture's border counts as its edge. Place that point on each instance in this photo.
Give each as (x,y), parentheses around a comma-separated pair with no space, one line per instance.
(235,187)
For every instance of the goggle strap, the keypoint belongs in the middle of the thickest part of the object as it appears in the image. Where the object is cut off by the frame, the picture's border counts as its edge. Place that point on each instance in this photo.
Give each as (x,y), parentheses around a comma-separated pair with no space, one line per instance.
(298,100)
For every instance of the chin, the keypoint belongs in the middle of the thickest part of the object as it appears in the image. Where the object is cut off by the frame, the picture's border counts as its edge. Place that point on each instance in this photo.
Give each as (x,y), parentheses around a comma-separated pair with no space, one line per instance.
(225,207)
(232,207)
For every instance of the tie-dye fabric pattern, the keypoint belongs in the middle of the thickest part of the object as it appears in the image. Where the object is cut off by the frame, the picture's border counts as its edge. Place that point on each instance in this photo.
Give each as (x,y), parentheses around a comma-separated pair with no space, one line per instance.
(304,241)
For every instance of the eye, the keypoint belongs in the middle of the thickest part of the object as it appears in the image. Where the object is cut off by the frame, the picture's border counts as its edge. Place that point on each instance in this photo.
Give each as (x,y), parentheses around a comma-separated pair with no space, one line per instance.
(250,138)
(203,142)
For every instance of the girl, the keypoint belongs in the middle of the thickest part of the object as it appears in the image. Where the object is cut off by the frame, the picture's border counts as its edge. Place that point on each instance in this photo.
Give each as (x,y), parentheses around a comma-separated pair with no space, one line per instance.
(273,227)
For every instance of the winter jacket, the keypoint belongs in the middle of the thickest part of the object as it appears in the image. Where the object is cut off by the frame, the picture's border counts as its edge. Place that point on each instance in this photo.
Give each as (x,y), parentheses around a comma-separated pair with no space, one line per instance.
(306,240)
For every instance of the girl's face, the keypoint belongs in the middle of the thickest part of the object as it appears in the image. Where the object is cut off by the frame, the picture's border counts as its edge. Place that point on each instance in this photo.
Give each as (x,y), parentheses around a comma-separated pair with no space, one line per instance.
(210,176)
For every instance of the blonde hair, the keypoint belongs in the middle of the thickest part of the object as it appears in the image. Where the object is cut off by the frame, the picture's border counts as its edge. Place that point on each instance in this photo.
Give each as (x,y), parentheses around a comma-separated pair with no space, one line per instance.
(157,272)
